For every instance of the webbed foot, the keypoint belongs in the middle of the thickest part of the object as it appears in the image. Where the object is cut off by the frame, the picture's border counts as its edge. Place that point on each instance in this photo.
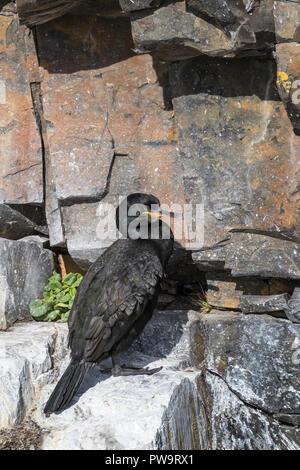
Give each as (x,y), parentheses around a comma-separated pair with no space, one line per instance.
(118,371)
(122,370)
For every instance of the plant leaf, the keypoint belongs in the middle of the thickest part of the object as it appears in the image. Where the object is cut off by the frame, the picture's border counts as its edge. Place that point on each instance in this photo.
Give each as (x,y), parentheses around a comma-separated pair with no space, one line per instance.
(38,309)
(52,316)
(57,298)
(70,279)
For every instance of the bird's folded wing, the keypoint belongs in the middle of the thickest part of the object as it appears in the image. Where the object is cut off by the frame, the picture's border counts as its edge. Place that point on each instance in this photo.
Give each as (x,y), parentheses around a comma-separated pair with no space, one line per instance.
(121,298)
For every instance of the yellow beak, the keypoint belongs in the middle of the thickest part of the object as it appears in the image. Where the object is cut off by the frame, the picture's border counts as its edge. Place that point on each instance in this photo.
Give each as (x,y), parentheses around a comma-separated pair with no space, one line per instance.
(157,215)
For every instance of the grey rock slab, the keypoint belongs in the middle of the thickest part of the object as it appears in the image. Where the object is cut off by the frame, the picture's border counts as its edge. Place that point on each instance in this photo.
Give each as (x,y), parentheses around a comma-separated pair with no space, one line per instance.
(205,414)
(177,34)
(232,16)
(82,224)
(233,425)
(263,303)
(42,241)
(248,254)
(24,271)
(179,30)
(118,413)
(293,307)
(224,11)
(26,362)
(135,5)
(255,355)
(13,224)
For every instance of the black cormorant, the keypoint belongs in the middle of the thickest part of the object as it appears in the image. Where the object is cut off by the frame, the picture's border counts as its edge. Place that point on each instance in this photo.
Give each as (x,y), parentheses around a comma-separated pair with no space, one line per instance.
(116,297)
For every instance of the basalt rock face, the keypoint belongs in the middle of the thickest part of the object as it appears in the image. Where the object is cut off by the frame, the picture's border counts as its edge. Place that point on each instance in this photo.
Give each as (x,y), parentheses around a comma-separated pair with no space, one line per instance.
(218,128)
(196,102)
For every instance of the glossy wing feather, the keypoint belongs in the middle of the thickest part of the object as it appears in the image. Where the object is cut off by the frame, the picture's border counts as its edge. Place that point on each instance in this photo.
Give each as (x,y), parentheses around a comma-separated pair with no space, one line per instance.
(115,294)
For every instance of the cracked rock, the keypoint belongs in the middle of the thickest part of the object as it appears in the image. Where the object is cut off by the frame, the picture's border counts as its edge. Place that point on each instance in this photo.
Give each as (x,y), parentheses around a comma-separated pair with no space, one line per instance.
(14,225)
(229,124)
(21,163)
(25,268)
(42,241)
(248,254)
(292,309)
(175,34)
(264,304)
(219,420)
(27,351)
(254,355)
(180,30)
(105,114)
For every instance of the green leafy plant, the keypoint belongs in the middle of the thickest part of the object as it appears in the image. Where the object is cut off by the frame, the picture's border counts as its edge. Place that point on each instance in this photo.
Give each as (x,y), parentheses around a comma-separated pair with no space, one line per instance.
(57,298)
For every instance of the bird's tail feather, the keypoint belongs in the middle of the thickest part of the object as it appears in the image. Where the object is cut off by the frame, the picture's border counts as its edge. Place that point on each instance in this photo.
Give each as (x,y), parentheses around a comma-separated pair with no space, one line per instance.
(67,386)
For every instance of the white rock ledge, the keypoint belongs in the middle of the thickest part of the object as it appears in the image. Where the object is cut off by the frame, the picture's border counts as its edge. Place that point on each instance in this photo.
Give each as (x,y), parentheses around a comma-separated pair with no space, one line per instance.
(242,394)
(27,352)
(108,412)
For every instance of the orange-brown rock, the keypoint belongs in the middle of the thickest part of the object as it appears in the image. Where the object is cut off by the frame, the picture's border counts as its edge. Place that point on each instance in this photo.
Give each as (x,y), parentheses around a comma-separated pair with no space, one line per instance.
(288,80)
(287,21)
(224,291)
(21,163)
(239,150)
(109,123)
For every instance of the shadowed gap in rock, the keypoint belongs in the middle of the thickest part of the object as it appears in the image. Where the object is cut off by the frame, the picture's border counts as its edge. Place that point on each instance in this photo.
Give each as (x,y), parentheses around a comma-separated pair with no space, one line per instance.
(225,77)
(71,43)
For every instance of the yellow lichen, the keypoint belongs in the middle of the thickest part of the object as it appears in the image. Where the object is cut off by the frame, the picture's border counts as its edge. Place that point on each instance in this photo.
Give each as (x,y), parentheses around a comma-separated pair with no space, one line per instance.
(283,81)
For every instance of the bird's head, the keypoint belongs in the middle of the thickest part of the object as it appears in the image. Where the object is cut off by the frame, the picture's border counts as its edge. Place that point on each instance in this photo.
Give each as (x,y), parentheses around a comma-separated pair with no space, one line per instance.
(139,215)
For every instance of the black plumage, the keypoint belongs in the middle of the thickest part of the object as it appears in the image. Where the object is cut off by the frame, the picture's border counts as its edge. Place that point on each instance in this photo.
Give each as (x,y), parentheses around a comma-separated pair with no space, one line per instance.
(115,300)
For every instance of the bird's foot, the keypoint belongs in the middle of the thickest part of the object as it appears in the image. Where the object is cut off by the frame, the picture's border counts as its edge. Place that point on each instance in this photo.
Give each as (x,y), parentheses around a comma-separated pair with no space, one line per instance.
(118,371)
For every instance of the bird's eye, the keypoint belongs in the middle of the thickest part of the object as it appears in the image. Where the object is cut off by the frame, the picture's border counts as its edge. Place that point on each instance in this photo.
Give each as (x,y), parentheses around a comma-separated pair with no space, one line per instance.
(138,213)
